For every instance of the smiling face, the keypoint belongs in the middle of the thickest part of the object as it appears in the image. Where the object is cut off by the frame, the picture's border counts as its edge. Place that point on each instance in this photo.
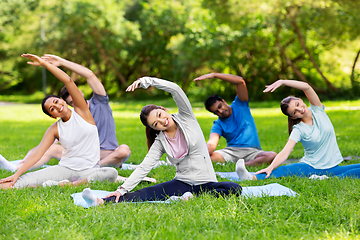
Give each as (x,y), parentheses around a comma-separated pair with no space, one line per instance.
(297,108)
(160,120)
(221,109)
(56,107)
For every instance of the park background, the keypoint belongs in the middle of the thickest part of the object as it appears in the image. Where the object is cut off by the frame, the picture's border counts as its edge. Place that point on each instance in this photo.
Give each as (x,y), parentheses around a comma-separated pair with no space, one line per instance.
(120,41)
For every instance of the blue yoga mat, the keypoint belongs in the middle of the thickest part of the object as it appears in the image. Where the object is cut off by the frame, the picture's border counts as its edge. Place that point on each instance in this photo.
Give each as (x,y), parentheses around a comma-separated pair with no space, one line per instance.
(273,189)
(230,175)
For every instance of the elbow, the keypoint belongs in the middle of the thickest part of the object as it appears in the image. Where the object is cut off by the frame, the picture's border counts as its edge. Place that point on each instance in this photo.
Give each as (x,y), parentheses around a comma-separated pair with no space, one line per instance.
(307,86)
(90,75)
(241,81)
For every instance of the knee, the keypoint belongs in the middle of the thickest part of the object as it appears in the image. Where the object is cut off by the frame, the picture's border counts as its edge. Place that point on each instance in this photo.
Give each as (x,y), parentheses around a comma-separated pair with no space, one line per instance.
(123,151)
(217,158)
(270,157)
(111,174)
(55,151)
(104,174)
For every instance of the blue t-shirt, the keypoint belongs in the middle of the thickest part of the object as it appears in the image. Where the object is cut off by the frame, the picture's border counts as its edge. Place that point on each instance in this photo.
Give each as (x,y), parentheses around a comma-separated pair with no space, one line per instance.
(239,129)
(319,140)
(104,120)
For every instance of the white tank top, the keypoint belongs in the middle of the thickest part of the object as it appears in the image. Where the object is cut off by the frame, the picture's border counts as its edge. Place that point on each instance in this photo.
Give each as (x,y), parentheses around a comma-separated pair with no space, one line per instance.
(80,141)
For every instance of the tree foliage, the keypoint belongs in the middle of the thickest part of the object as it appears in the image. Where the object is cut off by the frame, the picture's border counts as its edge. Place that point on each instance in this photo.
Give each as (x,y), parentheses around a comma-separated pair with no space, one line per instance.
(122,40)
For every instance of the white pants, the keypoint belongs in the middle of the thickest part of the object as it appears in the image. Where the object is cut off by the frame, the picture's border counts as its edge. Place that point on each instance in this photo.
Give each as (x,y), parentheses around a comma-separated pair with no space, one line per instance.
(59,173)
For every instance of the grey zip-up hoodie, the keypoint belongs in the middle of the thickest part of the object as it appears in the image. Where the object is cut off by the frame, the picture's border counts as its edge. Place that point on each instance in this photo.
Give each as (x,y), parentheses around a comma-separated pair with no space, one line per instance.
(195,168)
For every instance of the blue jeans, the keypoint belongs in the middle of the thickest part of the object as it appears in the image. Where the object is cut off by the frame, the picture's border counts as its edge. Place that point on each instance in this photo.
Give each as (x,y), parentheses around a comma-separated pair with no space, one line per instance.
(305,170)
(164,190)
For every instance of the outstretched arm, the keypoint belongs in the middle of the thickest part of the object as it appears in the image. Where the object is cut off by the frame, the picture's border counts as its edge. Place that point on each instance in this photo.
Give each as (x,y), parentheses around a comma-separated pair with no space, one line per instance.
(84,72)
(80,105)
(240,85)
(212,143)
(32,158)
(305,87)
(280,158)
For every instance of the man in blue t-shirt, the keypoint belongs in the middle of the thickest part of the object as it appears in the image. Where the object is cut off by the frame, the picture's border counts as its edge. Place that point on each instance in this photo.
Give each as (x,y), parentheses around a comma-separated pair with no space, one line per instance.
(236,125)
(111,154)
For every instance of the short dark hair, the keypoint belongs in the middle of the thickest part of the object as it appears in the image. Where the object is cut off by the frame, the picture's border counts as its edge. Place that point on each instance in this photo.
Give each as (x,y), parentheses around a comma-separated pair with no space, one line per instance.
(43,104)
(64,93)
(211,100)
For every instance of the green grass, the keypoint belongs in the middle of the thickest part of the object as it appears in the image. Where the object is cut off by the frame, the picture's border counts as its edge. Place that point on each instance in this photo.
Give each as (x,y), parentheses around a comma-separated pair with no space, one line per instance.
(328,209)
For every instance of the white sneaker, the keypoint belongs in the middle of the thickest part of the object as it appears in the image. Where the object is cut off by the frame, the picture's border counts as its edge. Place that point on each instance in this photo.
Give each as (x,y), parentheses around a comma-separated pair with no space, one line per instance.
(317,177)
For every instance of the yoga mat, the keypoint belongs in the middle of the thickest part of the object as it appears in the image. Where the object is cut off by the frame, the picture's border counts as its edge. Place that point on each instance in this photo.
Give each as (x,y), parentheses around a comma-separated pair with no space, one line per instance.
(230,175)
(273,189)
(80,201)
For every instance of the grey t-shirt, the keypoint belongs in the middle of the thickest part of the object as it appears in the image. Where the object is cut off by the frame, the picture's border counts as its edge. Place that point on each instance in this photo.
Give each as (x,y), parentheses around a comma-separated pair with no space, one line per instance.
(104,120)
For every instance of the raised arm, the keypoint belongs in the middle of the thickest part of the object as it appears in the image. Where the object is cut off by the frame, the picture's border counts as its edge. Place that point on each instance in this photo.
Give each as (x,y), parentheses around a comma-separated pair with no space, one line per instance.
(305,87)
(80,105)
(240,85)
(280,158)
(84,72)
(177,93)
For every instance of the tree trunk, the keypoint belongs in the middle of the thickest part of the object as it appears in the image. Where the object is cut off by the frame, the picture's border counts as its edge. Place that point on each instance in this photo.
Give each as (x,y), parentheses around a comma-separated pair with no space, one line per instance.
(288,61)
(352,78)
(303,45)
(108,62)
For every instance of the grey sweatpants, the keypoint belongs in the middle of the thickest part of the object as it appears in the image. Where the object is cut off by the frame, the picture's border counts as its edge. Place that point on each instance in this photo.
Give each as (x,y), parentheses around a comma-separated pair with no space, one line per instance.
(59,173)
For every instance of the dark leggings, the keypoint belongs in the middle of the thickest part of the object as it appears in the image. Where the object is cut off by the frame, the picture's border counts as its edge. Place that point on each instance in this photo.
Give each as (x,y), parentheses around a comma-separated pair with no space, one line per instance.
(164,190)
(305,170)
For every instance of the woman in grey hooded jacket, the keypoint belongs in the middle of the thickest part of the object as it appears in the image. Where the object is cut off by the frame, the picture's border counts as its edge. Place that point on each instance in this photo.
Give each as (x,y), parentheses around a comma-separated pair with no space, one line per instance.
(180,137)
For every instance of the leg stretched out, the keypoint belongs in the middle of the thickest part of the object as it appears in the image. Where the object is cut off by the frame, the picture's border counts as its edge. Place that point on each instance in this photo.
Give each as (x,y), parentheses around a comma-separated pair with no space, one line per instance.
(305,170)
(164,190)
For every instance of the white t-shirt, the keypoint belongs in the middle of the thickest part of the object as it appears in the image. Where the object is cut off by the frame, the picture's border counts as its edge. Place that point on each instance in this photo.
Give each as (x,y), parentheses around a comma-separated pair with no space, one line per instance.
(319,140)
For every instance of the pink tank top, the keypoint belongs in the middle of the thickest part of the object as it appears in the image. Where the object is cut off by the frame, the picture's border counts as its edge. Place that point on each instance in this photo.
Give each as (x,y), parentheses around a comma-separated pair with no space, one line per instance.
(178,144)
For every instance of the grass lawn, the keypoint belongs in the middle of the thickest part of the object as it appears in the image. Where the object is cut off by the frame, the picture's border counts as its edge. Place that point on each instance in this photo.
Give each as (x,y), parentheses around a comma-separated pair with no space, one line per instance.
(328,209)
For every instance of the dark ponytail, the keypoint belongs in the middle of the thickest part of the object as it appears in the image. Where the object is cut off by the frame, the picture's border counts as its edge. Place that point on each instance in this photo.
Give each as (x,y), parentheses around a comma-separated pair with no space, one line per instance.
(150,133)
(284,105)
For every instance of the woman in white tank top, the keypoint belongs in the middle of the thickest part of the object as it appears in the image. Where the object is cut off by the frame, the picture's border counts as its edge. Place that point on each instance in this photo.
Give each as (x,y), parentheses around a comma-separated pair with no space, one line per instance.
(75,130)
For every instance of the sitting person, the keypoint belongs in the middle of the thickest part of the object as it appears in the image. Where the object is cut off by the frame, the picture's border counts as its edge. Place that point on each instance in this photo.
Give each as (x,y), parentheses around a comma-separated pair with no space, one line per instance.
(111,154)
(236,125)
(180,137)
(77,133)
(312,127)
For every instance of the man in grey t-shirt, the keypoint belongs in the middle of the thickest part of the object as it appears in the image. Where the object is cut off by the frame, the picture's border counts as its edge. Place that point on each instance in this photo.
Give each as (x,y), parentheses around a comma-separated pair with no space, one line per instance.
(111,154)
